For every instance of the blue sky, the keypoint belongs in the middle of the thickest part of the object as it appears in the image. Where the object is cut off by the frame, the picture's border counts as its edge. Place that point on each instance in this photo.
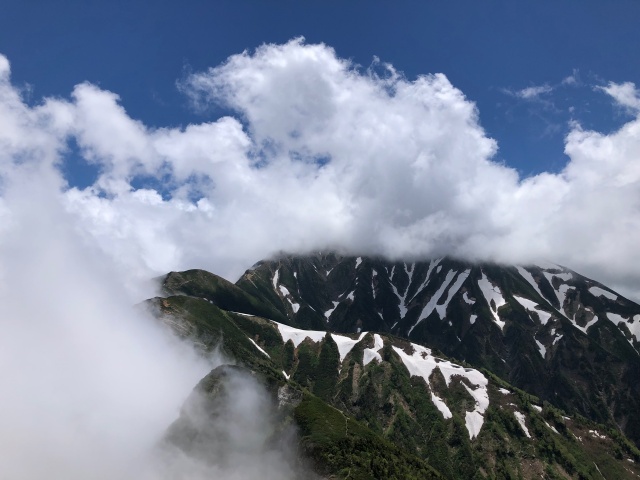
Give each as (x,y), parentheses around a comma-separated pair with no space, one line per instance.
(489,130)
(139,49)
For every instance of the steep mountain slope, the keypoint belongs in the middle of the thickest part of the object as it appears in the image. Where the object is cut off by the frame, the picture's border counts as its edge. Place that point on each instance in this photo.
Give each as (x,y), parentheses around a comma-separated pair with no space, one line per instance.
(369,405)
(544,328)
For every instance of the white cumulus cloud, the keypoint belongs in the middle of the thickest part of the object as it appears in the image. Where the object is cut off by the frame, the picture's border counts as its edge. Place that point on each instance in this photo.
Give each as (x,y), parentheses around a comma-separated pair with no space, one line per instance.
(319,153)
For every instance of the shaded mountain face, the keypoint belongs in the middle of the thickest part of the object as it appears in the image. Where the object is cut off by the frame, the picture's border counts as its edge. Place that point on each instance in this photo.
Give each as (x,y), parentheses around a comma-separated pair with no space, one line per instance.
(372,405)
(544,328)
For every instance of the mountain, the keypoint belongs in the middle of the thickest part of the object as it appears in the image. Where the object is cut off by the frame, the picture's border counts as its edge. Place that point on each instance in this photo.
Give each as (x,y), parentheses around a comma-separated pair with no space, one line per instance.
(371,404)
(544,328)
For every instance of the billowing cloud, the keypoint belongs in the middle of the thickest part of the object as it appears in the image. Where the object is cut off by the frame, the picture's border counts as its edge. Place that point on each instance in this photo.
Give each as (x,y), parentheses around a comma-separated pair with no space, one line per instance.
(625,95)
(320,153)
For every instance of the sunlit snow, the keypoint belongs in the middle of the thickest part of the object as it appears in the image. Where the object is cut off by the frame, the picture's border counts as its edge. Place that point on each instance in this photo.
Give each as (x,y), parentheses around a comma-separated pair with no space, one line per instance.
(520,418)
(372,353)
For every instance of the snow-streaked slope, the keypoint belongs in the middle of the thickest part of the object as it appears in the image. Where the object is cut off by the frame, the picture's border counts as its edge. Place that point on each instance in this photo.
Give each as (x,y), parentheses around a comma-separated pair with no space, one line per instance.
(422,363)
(433,302)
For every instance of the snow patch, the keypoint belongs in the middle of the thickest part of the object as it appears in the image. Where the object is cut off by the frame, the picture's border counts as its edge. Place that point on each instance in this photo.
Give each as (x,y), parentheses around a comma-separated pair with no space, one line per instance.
(599,292)
(401,298)
(276,276)
(473,421)
(492,292)
(596,434)
(345,344)
(284,290)
(433,301)
(422,363)
(285,375)
(562,296)
(432,265)
(504,391)
(632,324)
(481,396)
(541,348)
(533,307)
(561,293)
(358,261)
(615,318)
(557,339)
(524,273)
(520,418)
(566,276)
(529,278)
(295,306)
(551,428)
(465,297)
(473,319)
(372,353)
(297,336)
(442,309)
(440,405)
(258,347)
(328,313)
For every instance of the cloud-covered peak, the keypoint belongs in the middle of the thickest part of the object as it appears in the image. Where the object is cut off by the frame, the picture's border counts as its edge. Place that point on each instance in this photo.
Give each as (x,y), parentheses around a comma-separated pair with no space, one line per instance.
(320,153)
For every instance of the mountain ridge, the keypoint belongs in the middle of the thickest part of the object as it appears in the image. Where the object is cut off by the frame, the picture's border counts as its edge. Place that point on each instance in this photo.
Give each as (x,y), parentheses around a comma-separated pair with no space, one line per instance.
(544,328)
(390,390)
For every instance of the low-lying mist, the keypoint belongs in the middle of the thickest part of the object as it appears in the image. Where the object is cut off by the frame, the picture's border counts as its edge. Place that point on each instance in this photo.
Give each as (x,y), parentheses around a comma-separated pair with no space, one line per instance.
(90,384)
(230,428)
